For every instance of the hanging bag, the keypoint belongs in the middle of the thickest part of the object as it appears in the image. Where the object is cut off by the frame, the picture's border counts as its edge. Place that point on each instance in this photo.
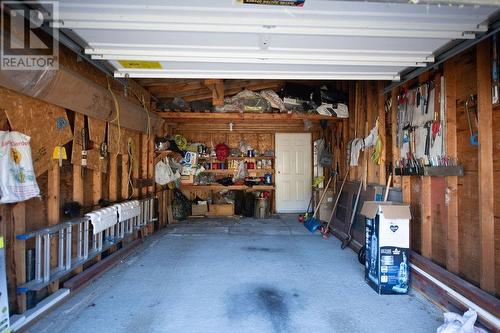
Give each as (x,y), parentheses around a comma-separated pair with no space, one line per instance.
(17,177)
(326,157)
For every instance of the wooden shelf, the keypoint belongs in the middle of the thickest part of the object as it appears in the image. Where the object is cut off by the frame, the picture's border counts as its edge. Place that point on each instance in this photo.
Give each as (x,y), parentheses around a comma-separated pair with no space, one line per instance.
(231,171)
(244,116)
(250,158)
(232,187)
(240,158)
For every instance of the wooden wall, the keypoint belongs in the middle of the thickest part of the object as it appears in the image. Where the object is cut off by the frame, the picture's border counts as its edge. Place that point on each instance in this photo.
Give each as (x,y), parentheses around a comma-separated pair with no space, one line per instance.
(454,219)
(103,179)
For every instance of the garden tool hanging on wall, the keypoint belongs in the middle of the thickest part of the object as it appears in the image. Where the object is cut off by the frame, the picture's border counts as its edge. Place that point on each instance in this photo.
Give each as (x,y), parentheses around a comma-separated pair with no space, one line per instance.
(470,103)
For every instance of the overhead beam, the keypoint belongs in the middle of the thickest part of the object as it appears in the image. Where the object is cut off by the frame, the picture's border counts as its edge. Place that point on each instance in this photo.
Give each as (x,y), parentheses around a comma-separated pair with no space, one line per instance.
(72,91)
(217,88)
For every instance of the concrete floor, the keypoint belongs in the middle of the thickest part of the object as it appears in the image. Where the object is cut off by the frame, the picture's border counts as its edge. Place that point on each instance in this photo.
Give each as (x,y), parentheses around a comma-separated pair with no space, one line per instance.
(239,276)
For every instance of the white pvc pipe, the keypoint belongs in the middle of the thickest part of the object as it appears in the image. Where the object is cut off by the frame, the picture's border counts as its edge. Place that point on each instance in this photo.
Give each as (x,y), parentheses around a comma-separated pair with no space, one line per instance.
(491,318)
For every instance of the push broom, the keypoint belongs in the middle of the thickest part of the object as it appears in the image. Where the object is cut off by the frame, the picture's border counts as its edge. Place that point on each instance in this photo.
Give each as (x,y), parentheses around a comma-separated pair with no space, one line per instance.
(312,224)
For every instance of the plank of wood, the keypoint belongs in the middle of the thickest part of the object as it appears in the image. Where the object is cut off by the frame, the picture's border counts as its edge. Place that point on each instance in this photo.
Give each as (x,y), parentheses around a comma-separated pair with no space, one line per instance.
(96,187)
(452,234)
(485,173)
(70,90)
(371,112)
(19,216)
(125,180)
(394,132)
(426,226)
(53,213)
(217,88)
(113,177)
(46,124)
(78,196)
(100,268)
(382,132)
(243,116)
(97,130)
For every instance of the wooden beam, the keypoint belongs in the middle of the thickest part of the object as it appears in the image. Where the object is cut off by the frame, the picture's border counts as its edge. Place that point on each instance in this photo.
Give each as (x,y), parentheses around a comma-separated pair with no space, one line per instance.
(394,131)
(19,221)
(173,116)
(485,156)
(371,113)
(426,226)
(113,177)
(53,213)
(382,132)
(217,88)
(72,91)
(78,196)
(96,187)
(124,180)
(452,235)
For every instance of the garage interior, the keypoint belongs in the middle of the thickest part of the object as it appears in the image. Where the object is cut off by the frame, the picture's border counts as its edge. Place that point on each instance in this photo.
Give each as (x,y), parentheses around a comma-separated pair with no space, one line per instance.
(225,166)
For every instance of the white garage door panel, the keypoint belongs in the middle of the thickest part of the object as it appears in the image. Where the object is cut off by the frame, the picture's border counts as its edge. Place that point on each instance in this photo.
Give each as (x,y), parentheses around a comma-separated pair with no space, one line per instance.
(124,29)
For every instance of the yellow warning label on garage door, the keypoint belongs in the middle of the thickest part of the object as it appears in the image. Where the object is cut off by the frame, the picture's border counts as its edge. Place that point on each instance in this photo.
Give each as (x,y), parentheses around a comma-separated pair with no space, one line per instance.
(140,64)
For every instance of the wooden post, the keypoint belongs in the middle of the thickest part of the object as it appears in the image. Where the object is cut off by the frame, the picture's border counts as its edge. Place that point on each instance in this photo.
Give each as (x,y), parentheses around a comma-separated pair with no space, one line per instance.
(53,213)
(150,160)
(394,131)
(217,88)
(144,162)
(96,194)
(382,132)
(96,186)
(451,200)
(125,181)
(113,177)
(78,197)
(371,101)
(426,227)
(486,194)
(19,215)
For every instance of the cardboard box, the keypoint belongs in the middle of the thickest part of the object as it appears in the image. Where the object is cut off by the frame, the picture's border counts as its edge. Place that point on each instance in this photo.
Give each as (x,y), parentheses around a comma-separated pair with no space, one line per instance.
(188,179)
(221,210)
(199,210)
(325,210)
(387,268)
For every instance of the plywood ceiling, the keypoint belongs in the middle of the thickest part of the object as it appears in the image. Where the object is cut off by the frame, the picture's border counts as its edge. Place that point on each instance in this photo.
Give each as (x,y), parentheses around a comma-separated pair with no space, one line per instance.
(323,40)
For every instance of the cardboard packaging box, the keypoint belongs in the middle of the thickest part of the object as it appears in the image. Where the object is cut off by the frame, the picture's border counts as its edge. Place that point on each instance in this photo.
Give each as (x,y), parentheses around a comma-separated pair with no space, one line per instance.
(325,210)
(187,180)
(387,268)
(221,210)
(200,209)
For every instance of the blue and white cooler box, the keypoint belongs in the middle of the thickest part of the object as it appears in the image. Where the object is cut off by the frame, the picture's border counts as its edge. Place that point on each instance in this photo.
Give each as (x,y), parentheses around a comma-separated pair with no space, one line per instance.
(387,229)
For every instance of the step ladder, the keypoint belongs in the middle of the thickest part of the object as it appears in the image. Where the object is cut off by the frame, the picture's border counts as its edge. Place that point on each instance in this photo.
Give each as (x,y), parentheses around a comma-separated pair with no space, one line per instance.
(95,233)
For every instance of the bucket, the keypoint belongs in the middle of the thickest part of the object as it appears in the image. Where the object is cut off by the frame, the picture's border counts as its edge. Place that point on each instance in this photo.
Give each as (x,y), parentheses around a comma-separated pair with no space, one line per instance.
(262,208)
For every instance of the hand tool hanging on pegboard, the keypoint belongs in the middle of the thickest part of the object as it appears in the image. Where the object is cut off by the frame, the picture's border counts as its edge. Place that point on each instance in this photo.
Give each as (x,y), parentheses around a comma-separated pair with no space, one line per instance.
(470,103)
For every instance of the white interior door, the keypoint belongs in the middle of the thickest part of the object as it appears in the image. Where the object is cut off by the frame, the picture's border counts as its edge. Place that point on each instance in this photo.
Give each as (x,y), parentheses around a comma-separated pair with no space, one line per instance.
(293,172)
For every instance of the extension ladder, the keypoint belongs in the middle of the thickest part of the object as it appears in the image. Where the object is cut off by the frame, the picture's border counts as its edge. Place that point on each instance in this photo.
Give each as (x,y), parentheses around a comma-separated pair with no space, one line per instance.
(95,233)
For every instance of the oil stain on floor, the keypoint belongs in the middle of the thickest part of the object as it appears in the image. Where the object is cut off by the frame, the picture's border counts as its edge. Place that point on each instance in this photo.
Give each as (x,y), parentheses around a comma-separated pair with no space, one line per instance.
(274,305)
